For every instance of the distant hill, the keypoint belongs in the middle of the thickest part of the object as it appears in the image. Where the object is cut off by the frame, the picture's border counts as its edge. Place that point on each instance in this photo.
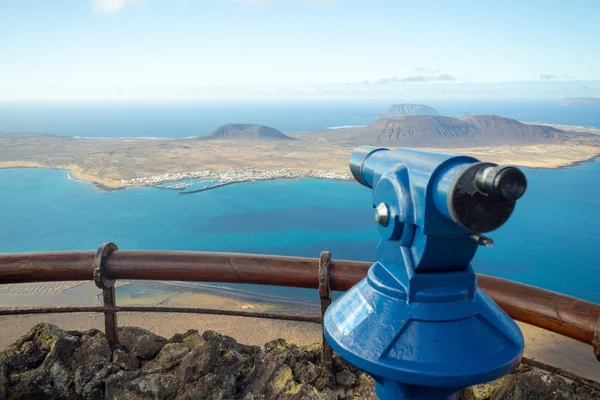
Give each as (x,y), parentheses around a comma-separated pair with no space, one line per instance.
(418,127)
(507,130)
(404,110)
(435,130)
(245,131)
(580,101)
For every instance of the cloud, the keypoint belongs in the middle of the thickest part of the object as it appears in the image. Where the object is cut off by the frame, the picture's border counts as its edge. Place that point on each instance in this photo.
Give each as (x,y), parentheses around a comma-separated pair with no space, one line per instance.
(425,70)
(112,6)
(416,78)
(570,76)
(546,77)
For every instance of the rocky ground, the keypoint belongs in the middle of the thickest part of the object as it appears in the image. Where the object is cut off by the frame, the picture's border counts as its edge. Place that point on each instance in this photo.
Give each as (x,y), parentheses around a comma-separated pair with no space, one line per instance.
(49,363)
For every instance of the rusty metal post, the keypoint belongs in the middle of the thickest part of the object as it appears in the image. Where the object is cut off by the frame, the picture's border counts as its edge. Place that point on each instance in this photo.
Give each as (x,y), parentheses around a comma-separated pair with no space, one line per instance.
(596,340)
(108,290)
(325,295)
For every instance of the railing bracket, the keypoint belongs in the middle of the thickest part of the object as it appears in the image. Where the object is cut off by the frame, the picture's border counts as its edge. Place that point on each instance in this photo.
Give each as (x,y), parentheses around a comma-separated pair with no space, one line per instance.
(108,290)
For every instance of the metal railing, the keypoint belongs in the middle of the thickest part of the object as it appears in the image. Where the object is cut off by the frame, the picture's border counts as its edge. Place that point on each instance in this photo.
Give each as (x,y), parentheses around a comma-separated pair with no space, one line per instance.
(568,316)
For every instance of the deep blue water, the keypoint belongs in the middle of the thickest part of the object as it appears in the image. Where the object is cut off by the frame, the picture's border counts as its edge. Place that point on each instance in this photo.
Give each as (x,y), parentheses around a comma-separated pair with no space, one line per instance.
(551,241)
(154,119)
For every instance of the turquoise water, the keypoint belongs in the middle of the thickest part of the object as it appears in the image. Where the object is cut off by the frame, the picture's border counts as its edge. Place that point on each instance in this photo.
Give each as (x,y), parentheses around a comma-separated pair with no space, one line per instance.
(551,241)
(46,211)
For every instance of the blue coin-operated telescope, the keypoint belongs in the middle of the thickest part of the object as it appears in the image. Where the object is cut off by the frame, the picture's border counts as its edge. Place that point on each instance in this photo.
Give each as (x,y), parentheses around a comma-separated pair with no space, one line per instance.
(418,323)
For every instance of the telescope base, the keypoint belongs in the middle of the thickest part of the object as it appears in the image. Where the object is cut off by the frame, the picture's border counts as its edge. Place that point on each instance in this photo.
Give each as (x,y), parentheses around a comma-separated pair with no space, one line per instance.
(389,390)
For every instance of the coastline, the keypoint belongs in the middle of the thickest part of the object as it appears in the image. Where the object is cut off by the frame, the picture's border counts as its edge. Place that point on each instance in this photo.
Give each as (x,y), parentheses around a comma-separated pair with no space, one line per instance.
(154,181)
(72,174)
(574,164)
(224,177)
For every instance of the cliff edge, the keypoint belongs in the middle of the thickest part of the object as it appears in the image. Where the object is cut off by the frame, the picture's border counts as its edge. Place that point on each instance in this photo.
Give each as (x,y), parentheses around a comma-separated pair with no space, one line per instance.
(50,363)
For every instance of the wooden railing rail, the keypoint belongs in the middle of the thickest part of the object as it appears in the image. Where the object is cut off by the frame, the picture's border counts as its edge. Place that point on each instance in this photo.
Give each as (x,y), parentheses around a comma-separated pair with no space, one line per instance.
(565,315)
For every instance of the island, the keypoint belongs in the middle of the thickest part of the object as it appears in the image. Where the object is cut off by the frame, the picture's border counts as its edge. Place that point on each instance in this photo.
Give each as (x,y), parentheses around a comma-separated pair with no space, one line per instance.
(248,152)
(407,109)
(580,102)
(240,131)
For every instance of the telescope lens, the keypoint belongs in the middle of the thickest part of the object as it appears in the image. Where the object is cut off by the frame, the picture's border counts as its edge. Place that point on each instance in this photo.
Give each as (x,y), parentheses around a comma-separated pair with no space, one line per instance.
(503,182)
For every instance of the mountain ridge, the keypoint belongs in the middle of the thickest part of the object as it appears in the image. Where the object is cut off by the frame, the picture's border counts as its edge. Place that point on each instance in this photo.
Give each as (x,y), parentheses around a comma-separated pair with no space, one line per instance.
(436,130)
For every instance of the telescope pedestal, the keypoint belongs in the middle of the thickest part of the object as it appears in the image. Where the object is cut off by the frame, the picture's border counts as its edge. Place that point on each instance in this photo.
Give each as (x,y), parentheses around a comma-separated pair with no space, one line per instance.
(396,390)
(425,338)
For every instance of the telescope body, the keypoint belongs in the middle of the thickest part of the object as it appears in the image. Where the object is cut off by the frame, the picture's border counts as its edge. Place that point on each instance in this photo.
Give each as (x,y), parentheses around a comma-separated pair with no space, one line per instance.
(418,323)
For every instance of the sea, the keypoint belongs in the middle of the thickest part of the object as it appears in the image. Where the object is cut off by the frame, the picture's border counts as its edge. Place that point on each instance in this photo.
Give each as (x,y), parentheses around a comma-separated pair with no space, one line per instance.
(551,241)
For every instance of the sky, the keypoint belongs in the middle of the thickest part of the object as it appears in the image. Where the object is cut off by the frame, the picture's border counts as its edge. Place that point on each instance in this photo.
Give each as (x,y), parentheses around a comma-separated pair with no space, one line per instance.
(94,48)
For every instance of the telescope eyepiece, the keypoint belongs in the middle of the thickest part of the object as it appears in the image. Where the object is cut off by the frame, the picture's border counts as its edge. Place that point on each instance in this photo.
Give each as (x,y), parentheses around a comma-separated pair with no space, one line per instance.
(481,196)
(501,182)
